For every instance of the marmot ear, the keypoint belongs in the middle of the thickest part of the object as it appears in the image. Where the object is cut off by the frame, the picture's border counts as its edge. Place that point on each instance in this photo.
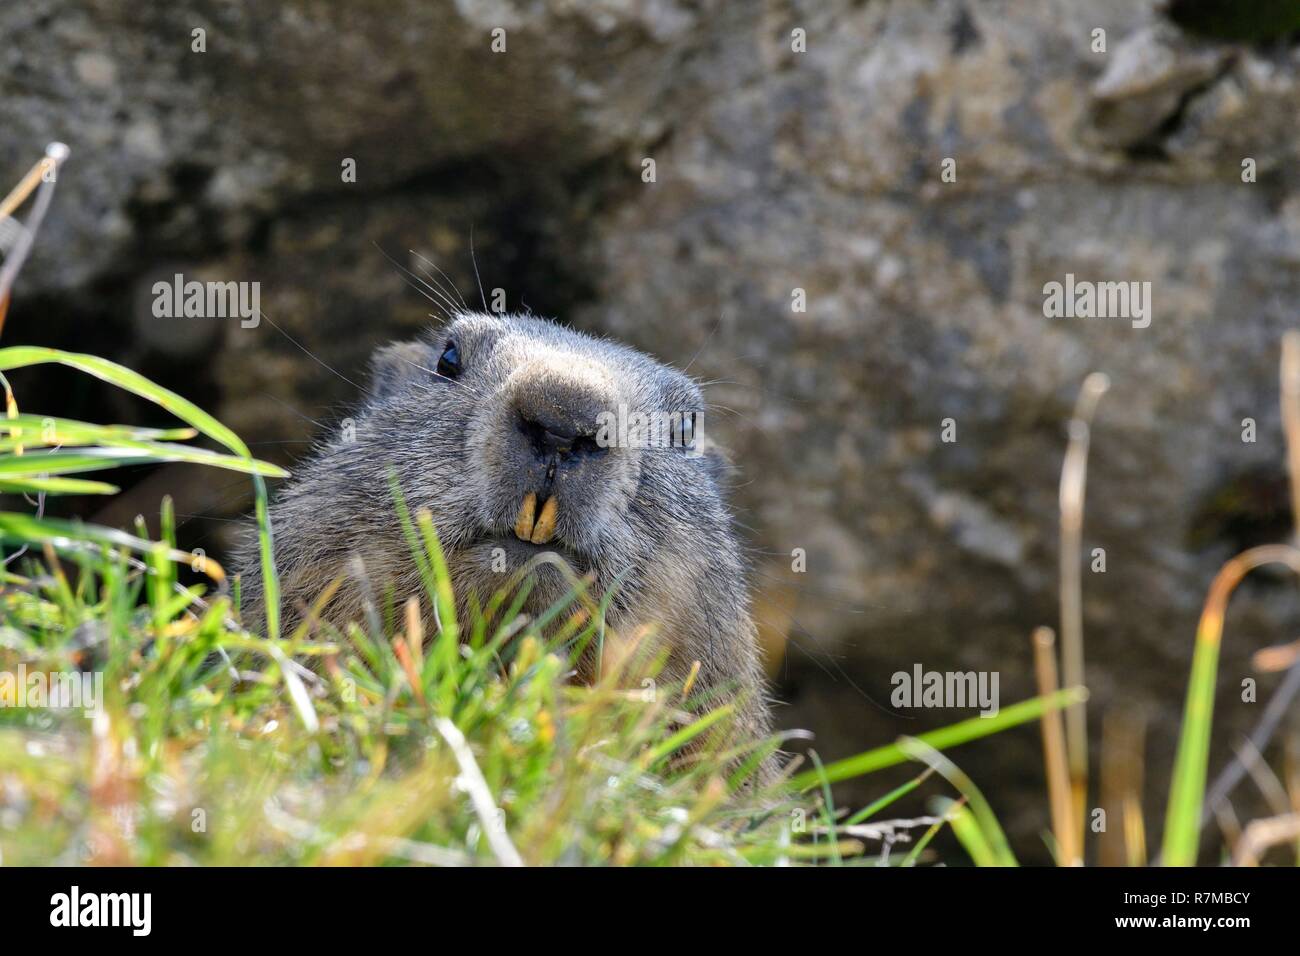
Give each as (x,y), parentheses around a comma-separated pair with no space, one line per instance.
(395,364)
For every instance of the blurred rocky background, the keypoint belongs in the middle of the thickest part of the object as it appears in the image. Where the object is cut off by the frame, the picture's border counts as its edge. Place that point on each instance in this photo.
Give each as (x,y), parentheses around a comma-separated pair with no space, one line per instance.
(775,171)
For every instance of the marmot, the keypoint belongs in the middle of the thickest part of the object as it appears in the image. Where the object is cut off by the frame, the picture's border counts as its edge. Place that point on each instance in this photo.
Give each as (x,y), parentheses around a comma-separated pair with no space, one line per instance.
(494,424)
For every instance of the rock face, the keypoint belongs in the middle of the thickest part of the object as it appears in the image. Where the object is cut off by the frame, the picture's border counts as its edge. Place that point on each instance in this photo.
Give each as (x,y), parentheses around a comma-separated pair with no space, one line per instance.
(851,241)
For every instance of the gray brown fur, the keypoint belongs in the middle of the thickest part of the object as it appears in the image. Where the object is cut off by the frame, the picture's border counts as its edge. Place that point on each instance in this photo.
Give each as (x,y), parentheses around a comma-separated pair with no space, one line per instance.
(657,517)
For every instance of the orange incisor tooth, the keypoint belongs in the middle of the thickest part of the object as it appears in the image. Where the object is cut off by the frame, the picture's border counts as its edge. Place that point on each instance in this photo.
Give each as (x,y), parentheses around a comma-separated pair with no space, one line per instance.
(544,530)
(524,523)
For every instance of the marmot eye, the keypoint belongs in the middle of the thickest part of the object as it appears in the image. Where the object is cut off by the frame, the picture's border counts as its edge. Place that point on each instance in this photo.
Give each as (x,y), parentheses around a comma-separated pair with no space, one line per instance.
(681,430)
(449,361)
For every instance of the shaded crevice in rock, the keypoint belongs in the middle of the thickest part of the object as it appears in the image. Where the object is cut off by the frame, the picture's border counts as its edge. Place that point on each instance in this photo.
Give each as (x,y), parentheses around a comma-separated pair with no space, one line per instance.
(965,34)
(1263,22)
(1154,145)
(1243,511)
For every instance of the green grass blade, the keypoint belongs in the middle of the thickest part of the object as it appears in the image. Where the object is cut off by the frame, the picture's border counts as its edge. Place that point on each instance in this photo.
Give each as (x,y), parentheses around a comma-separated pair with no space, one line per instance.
(986,821)
(60,463)
(828,808)
(133,453)
(686,735)
(74,536)
(871,809)
(24,356)
(56,486)
(266,553)
(42,431)
(186,454)
(946,810)
(945,737)
(1187,790)
(972,838)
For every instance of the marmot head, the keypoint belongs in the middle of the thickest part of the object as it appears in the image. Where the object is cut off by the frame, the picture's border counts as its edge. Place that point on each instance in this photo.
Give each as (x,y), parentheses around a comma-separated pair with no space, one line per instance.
(521,436)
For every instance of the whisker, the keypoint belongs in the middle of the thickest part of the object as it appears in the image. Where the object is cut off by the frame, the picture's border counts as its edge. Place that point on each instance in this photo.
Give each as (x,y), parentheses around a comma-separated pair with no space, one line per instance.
(280,401)
(444,298)
(707,340)
(812,652)
(309,354)
(763,389)
(438,374)
(436,296)
(715,406)
(477,277)
(721,381)
(434,265)
(442,287)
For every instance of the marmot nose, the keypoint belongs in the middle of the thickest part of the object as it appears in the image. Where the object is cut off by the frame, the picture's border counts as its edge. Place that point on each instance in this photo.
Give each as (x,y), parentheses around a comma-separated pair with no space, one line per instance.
(552,437)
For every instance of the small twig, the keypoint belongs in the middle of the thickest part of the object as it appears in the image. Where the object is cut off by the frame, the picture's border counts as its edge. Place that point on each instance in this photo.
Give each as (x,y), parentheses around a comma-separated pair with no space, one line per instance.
(413,851)
(1262,834)
(43,175)
(891,830)
(1229,826)
(1266,780)
(1122,748)
(1279,657)
(415,632)
(1074,476)
(479,794)
(427,853)
(1058,774)
(1291,417)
